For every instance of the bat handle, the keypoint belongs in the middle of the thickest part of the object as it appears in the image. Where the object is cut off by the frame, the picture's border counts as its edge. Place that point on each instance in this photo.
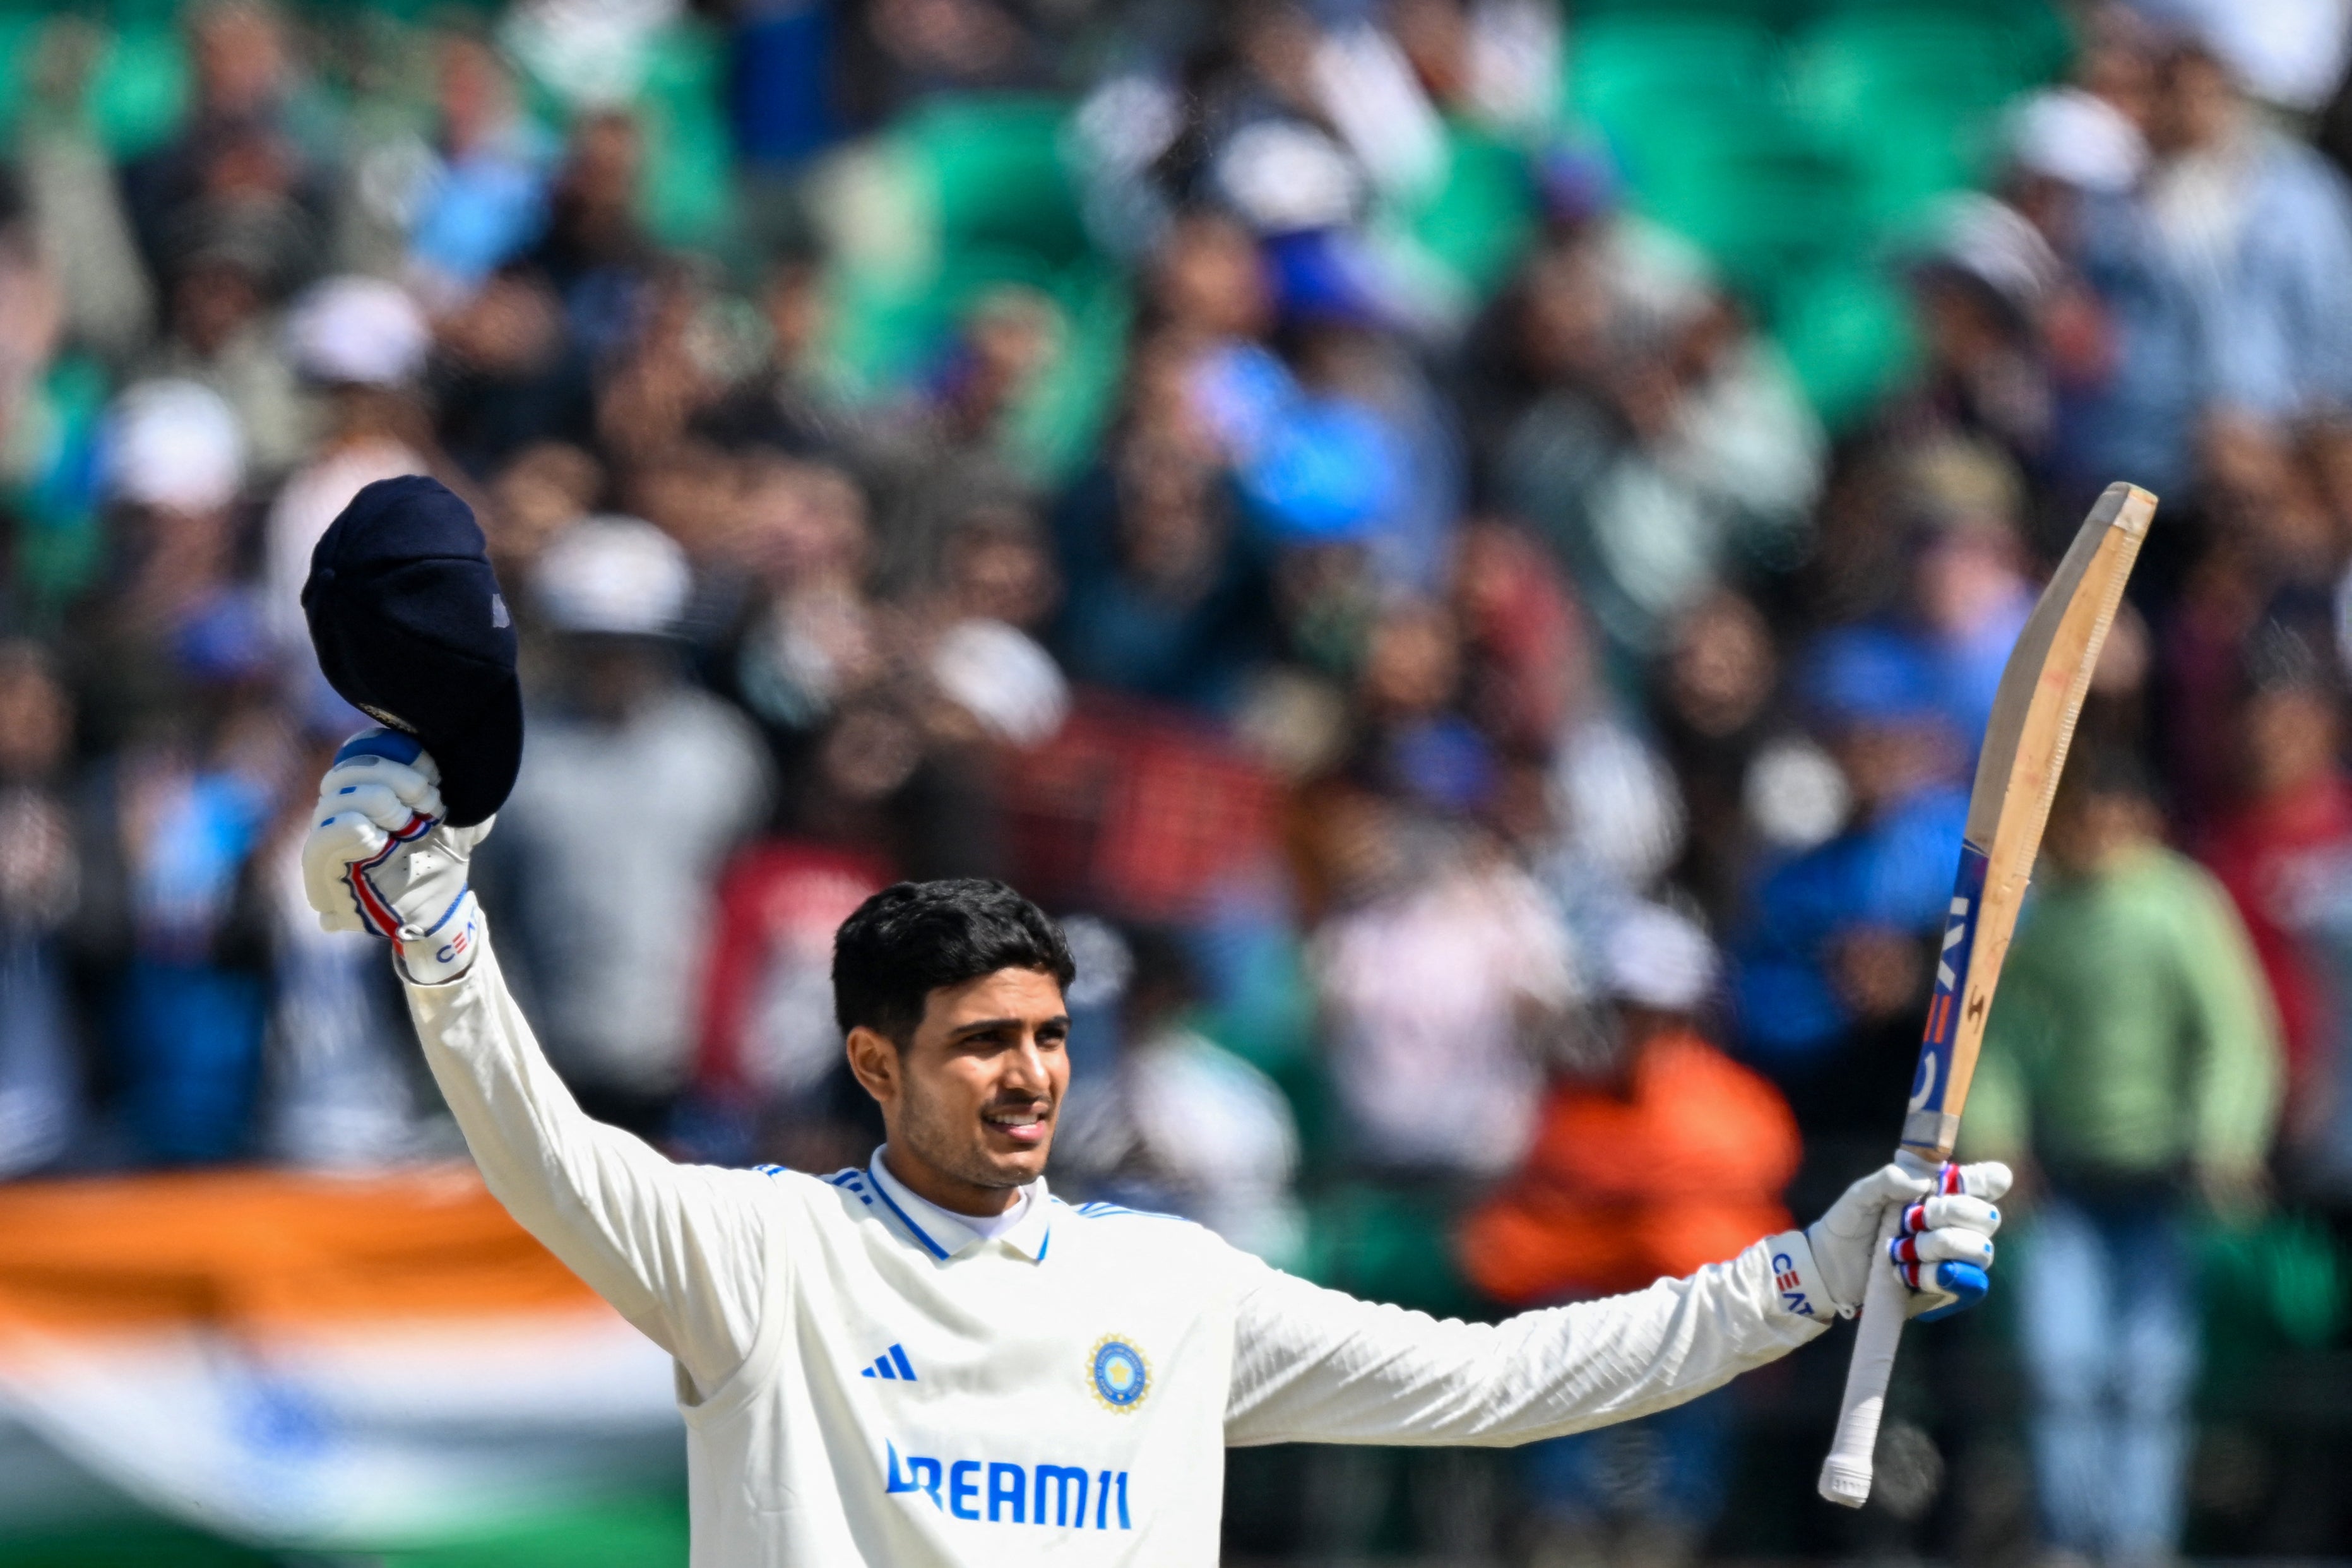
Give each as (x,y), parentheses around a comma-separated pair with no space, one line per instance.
(1845,1474)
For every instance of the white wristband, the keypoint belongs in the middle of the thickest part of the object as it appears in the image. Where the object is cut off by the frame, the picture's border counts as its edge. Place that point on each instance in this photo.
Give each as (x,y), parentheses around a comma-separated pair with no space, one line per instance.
(444,953)
(1797,1279)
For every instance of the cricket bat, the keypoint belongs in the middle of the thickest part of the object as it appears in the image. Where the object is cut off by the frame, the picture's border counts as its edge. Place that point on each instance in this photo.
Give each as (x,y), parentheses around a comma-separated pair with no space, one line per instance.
(2033,714)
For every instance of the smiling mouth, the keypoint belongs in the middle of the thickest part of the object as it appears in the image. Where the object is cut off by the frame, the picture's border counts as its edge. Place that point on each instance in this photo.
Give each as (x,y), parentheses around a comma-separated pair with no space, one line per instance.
(1025,1124)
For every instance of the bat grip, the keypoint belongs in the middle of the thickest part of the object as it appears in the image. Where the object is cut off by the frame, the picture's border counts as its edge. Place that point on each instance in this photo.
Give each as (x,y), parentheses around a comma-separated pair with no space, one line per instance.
(1845,1474)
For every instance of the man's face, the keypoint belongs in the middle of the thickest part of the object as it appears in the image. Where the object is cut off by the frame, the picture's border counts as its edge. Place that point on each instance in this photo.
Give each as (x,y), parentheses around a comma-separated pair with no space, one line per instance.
(2089,832)
(2290,739)
(973,1095)
(1886,761)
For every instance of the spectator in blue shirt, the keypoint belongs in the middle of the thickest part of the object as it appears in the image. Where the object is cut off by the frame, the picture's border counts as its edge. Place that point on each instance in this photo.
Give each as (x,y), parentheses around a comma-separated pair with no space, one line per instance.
(1836,956)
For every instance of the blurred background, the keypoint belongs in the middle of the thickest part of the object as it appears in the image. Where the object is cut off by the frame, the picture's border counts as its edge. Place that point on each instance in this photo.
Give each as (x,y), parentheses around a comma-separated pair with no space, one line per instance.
(1464,546)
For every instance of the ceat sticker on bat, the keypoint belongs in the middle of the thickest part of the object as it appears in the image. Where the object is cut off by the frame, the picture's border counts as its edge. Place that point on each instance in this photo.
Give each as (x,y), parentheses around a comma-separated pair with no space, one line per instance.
(1924,1127)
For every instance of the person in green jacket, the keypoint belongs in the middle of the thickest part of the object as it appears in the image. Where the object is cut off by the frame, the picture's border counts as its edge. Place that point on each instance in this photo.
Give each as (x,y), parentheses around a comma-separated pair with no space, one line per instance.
(2131,1068)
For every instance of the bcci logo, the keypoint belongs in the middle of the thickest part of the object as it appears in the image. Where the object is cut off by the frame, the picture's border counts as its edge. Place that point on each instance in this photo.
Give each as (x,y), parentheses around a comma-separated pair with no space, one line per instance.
(1120,1376)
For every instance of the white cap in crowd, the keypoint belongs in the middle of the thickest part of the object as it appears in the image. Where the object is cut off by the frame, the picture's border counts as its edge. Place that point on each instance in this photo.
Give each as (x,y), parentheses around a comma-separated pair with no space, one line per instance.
(358,331)
(1001,678)
(1656,958)
(2065,134)
(1992,242)
(1284,177)
(175,445)
(619,575)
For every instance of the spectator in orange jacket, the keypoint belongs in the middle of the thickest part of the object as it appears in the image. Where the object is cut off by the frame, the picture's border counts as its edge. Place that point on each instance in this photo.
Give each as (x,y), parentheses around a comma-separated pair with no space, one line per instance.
(1653,1154)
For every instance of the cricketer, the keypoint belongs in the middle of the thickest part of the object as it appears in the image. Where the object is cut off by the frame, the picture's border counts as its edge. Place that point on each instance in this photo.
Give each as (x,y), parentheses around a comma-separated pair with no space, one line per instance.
(932,1360)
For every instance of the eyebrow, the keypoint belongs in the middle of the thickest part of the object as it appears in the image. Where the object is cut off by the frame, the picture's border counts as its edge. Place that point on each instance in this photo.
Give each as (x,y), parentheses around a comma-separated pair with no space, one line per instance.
(990,1026)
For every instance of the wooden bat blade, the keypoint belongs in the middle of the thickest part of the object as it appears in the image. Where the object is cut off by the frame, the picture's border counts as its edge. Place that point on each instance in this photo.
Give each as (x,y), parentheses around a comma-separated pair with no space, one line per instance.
(2034,710)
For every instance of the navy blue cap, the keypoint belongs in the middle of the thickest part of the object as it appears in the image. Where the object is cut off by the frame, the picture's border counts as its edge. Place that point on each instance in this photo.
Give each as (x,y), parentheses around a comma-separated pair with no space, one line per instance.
(412,631)
(1868,676)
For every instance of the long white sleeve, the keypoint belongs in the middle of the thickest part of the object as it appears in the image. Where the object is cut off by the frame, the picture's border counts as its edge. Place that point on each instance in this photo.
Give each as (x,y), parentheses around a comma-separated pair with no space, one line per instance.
(681,1251)
(1316,1366)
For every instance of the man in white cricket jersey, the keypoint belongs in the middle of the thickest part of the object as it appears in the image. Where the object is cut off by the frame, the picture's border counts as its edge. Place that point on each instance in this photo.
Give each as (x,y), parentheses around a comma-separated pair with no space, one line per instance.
(933,1360)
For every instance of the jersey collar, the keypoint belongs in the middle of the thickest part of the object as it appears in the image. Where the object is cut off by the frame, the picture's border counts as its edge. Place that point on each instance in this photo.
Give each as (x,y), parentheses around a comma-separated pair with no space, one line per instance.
(946,1235)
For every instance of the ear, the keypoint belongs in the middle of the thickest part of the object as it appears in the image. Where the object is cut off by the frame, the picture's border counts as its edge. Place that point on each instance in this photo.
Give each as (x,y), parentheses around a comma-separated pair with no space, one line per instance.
(875,1062)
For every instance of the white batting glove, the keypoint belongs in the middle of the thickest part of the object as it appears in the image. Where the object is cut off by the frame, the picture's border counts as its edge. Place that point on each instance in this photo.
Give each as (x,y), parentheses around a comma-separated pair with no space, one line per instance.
(1942,1244)
(379,858)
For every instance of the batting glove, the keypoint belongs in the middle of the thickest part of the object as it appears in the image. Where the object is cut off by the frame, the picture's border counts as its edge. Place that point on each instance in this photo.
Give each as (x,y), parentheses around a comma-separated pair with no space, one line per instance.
(380,858)
(1942,1241)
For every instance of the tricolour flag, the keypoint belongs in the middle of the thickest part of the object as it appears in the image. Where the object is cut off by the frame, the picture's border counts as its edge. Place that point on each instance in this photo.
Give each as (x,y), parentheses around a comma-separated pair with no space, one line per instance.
(321,1362)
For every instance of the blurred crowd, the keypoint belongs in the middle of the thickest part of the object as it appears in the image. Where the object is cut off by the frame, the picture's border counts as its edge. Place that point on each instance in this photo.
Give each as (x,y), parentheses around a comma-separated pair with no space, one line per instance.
(1498,745)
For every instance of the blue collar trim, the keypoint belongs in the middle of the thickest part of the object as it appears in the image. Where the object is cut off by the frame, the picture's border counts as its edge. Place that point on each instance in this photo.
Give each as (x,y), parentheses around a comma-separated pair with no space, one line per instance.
(916,1231)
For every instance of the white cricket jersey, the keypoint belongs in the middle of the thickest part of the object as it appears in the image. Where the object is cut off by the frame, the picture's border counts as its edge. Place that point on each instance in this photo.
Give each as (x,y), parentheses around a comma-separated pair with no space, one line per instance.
(864,1382)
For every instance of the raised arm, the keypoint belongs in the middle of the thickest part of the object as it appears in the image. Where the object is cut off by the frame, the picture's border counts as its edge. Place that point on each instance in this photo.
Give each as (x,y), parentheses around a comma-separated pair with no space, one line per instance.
(1312,1365)
(683,1252)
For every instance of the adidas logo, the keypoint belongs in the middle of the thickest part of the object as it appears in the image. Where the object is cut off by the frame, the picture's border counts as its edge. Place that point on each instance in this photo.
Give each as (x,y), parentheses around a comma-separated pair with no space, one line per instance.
(892,1364)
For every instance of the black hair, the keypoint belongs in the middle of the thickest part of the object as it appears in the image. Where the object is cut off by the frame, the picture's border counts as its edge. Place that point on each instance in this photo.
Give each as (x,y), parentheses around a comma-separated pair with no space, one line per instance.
(1164,980)
(912,938)
(2107,771)
(2293,648)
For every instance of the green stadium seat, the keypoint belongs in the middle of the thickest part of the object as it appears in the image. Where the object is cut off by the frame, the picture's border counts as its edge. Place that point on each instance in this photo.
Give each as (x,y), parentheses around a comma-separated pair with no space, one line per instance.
(1773,13)
(996,165)
(1913,96)
(140,93)
(1762,207)
(1624,71)
(1790,138)
(998,198)
(1846,329)
(2268,1286)
(1854,70)
(1057,429)
(985,176)
(410,13)
(688,192)
(1917,158)
(20,33)
(1387,1243)
(1477,223)
(2036,32)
